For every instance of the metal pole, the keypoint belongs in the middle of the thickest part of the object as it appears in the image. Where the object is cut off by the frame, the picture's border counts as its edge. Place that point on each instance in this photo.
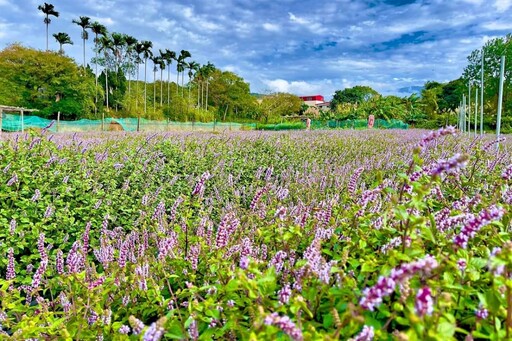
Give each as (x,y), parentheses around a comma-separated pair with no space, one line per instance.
(469,108)
(22,125)
(482,96)
(1,116)
(461,121)
(500,100)
(476,110)
(463,113)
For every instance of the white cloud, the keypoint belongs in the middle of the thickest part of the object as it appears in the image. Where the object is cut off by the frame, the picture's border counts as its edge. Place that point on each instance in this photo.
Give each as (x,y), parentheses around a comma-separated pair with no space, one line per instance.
(502,5)
(498,26)
(271,27)
(297,20)
(104,20)
(295,87)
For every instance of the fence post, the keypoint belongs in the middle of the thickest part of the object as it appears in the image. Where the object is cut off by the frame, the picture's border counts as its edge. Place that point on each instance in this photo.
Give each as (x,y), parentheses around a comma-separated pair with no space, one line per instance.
(22,125)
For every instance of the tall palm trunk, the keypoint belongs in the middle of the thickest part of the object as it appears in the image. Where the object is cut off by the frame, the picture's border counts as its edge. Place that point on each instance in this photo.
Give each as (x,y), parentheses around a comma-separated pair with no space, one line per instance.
(84,53)
(177,83)
(189,87)
(129,91)
(106,94)
(137,90)
(206,103)
(182,84)
(198,92)
(145,85)
(154,91)
(169,85)
(202,96)
(96,81)
(161,87)
(46,32)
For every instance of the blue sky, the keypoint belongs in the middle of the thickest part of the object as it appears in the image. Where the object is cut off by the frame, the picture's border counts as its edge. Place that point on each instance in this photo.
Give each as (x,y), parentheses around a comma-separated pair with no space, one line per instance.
(302,47)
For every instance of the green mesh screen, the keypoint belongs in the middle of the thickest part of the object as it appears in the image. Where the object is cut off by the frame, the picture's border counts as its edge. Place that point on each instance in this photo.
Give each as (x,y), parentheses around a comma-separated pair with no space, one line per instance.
(14,123)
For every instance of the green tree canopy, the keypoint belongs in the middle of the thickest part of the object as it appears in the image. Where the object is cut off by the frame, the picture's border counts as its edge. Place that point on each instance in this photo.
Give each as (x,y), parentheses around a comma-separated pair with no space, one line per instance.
(35,79)
(356,95)
(230,95)
(493,50)
(273,107)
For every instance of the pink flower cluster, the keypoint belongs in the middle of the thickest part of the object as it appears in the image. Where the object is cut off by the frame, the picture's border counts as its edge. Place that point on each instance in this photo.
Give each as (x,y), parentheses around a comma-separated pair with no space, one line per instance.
(450,166)
(424,303)
(433,135)
(286,325)
(385,286)
(507,173)
(366,334)
(476,223)
(352,183)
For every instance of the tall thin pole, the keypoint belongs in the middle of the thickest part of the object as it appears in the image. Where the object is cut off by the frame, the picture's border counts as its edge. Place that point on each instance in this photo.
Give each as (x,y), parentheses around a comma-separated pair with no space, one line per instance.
(469,108)
(476,110)
(482,96)
(463,113)
(460,116)
(500,100)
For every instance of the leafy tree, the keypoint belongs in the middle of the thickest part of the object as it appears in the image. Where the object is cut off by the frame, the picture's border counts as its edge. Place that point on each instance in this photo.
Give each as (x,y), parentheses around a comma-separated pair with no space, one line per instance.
(84,23)
(35,79)
(429,98)
(98,29)
(356,95)
(116,85)
(275,106)
(492,50)
(48,9)
(230,95)
(62,38)
(451,95)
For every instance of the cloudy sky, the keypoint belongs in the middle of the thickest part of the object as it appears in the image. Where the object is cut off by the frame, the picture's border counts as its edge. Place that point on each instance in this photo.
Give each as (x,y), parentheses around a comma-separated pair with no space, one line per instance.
(303,47)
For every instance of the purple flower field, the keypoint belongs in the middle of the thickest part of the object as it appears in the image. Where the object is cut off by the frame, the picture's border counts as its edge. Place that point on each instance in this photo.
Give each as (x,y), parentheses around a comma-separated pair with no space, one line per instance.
(336,235)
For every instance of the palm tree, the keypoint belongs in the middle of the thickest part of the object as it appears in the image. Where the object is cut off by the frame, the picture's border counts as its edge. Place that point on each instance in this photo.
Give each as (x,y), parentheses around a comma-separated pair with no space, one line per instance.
(130,42)
(209,68)
(97,29)
(146,53)
(84,23)
(139,49)
(161,65)
(118,46)
(106,46)
(62,38)
(48,9)
(169,57)
(156,63)
(193,67)
(182,64)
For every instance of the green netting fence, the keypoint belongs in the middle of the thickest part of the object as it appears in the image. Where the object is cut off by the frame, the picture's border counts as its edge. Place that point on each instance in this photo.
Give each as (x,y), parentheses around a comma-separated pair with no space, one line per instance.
(358,124)
(15,123)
